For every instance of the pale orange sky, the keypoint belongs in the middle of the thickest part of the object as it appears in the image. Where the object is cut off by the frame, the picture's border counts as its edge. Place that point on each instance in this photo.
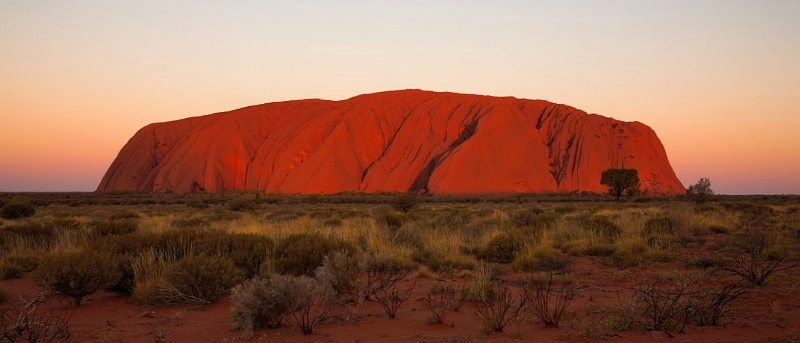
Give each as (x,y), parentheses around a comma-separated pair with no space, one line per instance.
(717,80)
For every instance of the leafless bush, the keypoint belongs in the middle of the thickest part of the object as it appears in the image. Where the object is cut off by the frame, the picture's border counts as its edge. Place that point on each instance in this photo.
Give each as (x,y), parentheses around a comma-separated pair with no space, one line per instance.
(702,299)
(256,305)
(710,306)
(379,274)
(392,299)
(439,301)
(663,308)
(22,320)
(501,310)
(546,301)
(755,256)
(309,302)
(339,274)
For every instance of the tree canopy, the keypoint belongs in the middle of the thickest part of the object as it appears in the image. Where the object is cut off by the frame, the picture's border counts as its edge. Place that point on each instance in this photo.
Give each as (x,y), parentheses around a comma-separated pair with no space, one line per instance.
(700,190)
(620,181)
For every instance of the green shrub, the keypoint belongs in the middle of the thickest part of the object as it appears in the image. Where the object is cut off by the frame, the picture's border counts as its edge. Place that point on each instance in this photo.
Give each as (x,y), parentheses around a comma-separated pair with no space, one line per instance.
(659,232)
(128,244)
(604,228)
(535,217)
(405,202)
(553,262)
(659,226)
(16,210)
(35,232)
(248,251)
(124,215)
(127,278)
(9,270)
(450,263)
(393,219)
(200,279)
(598,250)
(300,254)
(706,262)
(197,204)
(565,209)
(115,227)
(243,205)
(410,236)
(4,295)
(625,259)
(333,222)
(124,248)
(77,274)
(541,259)
(193,223)
(28,261)
(502,248)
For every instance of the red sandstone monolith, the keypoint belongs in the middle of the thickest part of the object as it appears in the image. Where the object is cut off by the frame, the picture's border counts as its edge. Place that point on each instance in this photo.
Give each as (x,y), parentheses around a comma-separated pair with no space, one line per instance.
(411,140)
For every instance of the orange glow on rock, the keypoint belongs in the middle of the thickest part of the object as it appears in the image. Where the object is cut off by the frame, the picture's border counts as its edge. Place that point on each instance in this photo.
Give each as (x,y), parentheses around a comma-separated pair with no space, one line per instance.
(442,143)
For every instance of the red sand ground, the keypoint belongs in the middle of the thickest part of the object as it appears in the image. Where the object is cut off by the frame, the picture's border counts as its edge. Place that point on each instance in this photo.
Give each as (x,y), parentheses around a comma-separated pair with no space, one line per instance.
(767,315)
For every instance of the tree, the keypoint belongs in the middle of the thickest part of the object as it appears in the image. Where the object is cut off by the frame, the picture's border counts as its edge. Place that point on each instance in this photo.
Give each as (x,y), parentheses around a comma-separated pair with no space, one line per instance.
(700,190)
(405,202)
(620,181)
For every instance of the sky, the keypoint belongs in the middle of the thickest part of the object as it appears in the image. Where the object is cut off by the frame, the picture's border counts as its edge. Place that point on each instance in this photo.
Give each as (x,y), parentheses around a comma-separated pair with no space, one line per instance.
(719,81)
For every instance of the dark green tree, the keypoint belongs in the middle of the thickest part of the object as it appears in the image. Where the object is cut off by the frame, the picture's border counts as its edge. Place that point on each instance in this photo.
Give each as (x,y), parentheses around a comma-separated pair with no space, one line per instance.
(620,181)
(405,202)
(700,190)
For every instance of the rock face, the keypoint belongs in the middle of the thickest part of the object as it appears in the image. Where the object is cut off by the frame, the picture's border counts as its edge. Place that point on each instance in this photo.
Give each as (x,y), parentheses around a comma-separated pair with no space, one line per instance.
(411,140)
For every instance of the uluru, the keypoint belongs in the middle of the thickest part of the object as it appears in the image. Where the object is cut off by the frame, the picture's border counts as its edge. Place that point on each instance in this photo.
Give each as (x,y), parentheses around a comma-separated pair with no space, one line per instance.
(408,140)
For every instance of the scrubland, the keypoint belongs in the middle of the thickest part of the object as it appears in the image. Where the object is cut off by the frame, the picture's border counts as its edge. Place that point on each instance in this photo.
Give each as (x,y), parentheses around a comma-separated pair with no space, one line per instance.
(458,268)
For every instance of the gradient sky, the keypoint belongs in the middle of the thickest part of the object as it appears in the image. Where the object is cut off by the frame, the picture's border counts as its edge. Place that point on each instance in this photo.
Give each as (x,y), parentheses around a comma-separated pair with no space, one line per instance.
(719,81)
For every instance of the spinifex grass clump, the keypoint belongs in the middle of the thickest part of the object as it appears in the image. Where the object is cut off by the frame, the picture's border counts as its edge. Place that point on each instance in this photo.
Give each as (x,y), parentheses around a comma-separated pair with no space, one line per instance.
(115,227)
(481,287)
(192,279)
(9,270)
(301,254)
(503,248)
